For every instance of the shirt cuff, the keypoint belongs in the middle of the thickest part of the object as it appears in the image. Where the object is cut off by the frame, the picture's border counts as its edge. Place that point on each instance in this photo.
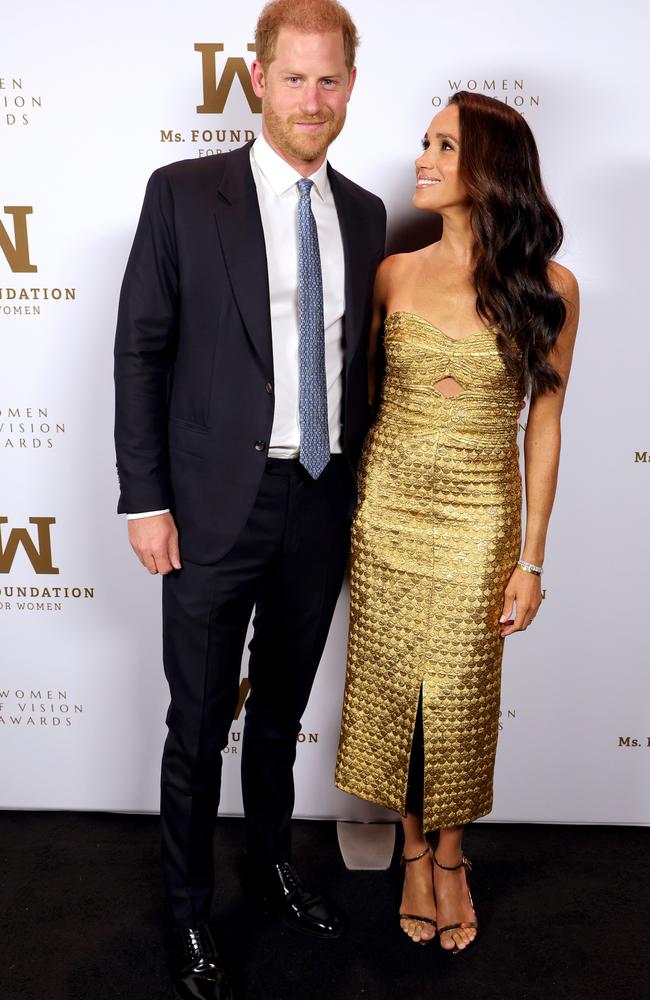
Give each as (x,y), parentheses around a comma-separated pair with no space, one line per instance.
(146,513)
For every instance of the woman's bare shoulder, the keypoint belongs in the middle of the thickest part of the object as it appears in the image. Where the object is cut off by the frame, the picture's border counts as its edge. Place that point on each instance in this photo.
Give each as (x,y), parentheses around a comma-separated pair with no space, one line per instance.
(396,267)
(399,261)
(563,281)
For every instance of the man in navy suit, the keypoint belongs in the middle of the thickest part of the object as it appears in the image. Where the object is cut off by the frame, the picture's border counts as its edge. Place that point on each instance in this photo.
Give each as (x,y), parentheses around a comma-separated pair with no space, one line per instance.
(241,408)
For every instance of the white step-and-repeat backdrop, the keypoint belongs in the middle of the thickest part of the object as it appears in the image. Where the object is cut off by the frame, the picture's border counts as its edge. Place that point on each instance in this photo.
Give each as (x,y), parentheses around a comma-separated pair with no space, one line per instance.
(93,97)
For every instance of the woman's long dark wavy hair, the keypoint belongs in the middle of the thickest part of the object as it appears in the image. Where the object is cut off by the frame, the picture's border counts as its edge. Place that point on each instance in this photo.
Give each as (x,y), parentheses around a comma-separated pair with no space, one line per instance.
(517,233)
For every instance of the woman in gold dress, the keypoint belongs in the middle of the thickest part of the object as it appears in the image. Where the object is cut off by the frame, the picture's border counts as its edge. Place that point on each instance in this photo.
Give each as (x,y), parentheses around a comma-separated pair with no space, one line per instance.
(470,324)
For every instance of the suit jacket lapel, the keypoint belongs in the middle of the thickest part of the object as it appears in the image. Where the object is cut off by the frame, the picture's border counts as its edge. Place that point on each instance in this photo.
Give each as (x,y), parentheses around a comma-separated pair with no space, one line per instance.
(355,250)
(242,239)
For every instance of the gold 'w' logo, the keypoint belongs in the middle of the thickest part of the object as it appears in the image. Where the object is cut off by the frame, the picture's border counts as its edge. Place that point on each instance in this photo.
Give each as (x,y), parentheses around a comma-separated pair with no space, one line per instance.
(17,251)
(244,688)
(39,555)
(215,95)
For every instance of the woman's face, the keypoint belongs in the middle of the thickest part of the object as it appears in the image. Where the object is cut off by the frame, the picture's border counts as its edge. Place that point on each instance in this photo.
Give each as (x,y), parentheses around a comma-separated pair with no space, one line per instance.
(438,185)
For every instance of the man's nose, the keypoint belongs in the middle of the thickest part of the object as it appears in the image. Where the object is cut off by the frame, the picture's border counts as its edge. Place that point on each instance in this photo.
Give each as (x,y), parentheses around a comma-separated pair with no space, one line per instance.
(311,99)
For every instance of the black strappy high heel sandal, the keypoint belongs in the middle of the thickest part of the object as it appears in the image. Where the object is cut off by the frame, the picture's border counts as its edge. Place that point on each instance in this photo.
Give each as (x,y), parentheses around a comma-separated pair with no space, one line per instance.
(466,864)
(416,916)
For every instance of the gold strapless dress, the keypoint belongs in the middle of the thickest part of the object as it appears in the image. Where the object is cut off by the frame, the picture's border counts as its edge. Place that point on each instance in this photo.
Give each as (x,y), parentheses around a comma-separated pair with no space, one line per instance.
(435,538)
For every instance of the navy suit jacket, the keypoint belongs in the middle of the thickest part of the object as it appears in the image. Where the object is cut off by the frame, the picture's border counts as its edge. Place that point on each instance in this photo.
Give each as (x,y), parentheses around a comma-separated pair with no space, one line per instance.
(193,350)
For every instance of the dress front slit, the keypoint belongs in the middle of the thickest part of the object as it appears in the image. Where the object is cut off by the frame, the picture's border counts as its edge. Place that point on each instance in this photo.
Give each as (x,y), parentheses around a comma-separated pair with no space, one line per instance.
(415,782)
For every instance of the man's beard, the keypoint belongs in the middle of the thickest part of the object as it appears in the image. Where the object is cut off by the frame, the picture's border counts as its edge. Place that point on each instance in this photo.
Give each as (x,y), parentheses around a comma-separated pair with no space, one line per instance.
(308,145)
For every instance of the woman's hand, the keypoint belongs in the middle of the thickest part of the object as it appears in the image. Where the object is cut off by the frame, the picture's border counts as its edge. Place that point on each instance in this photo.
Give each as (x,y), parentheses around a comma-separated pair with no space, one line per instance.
(525,590)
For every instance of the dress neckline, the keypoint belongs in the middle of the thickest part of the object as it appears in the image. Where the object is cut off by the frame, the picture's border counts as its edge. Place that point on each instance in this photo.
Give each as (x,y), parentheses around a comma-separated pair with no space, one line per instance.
(432,326)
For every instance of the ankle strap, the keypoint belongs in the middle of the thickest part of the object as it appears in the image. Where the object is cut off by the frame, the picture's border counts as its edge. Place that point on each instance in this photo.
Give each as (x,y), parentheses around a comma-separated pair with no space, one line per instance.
(416,857)
(463,863)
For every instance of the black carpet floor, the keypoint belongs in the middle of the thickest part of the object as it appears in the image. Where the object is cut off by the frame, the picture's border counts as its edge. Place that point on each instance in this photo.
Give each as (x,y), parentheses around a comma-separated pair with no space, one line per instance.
(564,913)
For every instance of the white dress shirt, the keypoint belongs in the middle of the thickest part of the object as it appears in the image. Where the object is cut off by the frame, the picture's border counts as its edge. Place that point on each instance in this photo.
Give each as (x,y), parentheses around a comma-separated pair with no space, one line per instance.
(276,182)
(277,193)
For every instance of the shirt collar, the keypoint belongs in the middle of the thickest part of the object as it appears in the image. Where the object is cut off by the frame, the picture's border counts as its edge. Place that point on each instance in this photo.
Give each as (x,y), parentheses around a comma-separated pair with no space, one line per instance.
(280,175)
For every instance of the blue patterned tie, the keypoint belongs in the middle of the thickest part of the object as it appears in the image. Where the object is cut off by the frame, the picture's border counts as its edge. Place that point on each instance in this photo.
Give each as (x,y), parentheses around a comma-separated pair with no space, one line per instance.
(314,429)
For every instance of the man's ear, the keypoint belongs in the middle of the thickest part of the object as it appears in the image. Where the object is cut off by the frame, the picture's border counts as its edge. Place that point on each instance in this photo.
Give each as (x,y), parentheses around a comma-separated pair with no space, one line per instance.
(258,78)
(352,81)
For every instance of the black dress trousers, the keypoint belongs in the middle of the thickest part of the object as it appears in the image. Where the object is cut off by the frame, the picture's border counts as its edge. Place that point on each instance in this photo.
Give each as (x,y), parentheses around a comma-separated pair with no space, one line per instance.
(287,565)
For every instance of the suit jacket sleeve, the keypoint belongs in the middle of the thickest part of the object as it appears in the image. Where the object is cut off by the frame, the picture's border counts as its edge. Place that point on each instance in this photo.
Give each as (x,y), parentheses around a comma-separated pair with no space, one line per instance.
(382,225)
(380,358)
(145,345)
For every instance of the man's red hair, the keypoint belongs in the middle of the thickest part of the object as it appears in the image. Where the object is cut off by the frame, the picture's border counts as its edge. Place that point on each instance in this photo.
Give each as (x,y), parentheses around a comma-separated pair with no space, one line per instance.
(314,16)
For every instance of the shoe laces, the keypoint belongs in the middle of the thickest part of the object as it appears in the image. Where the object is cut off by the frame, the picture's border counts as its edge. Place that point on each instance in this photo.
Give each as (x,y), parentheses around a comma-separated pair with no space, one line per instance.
(198,943)
(289,876)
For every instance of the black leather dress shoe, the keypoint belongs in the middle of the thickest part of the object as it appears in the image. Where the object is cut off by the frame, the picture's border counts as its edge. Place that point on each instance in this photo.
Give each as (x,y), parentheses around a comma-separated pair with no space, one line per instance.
(197,972)
(283,892)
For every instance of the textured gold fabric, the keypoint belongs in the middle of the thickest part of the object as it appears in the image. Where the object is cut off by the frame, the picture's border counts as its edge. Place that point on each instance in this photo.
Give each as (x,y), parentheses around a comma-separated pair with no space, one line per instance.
(435,538)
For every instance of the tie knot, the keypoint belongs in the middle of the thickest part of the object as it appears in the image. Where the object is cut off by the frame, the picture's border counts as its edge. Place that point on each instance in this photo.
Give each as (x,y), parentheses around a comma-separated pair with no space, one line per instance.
(305,186)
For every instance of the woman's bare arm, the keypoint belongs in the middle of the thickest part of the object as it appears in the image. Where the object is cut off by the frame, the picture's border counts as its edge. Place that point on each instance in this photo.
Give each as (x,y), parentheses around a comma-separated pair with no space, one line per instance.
(542,459)
(383,282)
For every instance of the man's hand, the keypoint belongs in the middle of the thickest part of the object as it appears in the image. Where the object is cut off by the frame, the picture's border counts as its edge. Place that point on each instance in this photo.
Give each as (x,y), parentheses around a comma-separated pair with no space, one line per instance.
(155,542)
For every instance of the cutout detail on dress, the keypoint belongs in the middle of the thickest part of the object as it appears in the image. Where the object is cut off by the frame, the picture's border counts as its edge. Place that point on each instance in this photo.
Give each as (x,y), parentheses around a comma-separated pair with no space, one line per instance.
(448,387)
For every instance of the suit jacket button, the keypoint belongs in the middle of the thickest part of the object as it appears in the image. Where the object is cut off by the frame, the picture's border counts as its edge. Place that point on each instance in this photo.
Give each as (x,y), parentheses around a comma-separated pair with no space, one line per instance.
(260,445)
(269,388)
